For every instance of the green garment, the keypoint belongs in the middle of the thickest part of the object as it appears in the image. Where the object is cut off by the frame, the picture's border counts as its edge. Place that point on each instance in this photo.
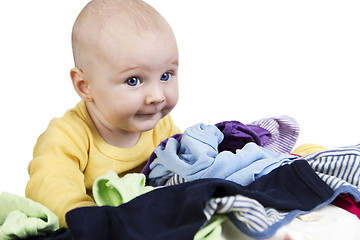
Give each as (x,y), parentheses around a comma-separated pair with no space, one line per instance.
(212,229)
(21,218)
(111,190)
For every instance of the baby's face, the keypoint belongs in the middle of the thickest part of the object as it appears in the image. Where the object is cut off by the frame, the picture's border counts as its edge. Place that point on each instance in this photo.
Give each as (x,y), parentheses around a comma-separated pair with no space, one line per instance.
(134,83)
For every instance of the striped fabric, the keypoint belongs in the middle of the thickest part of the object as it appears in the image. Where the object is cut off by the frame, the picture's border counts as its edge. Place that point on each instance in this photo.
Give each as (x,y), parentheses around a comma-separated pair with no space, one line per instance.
(248,215)
(284,133)
(339,168)
(175,179)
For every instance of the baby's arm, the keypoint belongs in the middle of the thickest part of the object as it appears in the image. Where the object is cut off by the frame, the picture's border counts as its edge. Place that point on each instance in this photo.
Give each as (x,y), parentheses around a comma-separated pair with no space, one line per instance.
(56,171)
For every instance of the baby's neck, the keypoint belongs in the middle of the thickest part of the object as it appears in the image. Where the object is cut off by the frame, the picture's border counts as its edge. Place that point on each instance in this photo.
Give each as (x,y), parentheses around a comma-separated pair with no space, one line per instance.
(121,140)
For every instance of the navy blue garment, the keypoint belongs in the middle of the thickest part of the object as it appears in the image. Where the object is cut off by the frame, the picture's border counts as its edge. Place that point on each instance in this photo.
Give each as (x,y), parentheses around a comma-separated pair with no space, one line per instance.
(60,234)
(176,212)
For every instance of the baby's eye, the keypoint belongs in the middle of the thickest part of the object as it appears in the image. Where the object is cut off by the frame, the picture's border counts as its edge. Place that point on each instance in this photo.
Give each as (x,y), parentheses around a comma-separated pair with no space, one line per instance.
(133,81)
(166,76)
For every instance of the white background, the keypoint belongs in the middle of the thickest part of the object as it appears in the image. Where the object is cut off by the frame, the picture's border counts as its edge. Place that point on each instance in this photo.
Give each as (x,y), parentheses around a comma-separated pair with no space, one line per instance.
(239,60)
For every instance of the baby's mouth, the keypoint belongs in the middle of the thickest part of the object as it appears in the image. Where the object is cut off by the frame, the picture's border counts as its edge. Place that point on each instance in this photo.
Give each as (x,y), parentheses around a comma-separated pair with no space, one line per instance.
(151,111)
(148,114)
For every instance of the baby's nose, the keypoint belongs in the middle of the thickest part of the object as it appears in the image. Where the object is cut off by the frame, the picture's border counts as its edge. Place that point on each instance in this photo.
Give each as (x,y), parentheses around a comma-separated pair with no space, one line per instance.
(155,95)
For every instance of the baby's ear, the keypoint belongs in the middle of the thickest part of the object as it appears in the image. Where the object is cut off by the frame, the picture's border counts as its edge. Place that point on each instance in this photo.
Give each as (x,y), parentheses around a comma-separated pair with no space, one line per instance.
(81,84)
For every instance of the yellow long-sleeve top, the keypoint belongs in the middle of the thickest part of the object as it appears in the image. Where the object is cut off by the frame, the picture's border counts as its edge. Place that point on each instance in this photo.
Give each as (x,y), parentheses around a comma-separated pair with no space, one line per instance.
(71,154)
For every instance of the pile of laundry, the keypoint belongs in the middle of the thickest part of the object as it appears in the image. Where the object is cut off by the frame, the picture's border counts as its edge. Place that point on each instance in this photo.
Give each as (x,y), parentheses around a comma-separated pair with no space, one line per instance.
(193,183)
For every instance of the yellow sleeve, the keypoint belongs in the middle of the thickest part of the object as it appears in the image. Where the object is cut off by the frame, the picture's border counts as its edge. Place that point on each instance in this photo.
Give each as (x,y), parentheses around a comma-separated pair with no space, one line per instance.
(56,171)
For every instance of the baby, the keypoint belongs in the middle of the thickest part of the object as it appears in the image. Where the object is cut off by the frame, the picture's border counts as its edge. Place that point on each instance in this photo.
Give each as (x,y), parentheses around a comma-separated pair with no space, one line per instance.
(126,65)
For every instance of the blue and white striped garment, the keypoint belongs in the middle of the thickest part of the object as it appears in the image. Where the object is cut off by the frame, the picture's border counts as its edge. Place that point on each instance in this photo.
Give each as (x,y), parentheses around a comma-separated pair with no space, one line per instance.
(339,168)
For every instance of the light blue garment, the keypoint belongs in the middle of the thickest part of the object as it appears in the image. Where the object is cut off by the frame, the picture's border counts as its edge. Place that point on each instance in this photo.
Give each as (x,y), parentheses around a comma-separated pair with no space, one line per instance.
(196,156)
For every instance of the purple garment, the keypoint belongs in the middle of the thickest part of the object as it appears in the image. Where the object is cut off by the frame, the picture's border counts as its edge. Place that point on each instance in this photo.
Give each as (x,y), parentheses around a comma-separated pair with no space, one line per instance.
(237,135)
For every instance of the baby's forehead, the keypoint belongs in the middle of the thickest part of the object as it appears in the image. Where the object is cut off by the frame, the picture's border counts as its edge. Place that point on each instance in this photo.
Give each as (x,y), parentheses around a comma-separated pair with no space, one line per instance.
(102,21)
(115,31)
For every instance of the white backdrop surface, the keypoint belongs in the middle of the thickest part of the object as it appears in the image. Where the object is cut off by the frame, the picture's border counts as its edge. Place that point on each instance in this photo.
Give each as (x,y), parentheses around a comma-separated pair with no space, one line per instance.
(239,60)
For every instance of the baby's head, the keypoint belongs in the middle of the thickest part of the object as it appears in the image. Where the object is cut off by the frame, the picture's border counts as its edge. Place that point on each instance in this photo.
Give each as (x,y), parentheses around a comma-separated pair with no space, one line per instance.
(126,62)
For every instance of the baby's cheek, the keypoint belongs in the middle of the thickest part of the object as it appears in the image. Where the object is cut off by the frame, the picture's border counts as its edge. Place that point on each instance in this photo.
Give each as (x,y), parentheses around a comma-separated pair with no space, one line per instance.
(173,98)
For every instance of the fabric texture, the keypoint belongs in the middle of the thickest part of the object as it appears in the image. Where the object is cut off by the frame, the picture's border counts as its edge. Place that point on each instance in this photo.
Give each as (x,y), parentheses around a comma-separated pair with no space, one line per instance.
(278,134)
(110,190)
(284,132)
(177,212)
(196,156)
(60,234)
(339,168)
(346,202)
(212,230)
(21,218)
(259,222)
(165,213)
(237,135)
(328,222)
(71,154)
(308,148)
